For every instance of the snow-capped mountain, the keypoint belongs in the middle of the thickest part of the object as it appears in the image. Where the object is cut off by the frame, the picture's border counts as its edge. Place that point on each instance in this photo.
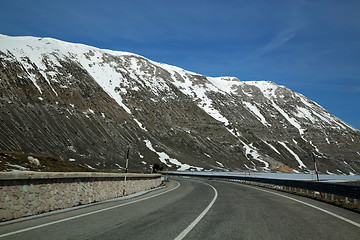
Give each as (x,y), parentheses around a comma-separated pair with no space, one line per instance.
(89,105)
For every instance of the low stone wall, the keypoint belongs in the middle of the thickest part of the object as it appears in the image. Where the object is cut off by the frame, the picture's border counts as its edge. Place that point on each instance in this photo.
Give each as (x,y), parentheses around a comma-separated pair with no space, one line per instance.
(29,193)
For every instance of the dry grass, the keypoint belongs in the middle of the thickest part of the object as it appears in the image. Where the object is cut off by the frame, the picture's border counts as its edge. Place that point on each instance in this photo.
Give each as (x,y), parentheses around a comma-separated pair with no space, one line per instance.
(17,161)
(284,169)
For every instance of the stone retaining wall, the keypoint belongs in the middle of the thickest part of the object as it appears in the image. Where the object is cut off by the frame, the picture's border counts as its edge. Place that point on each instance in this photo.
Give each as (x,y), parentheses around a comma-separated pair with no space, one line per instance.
(29,193)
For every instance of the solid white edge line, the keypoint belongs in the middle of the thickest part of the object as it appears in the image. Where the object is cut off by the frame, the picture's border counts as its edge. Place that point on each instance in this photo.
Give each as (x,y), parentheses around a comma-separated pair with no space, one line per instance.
(197,220)
(85,214)
(310,205)
(32,217)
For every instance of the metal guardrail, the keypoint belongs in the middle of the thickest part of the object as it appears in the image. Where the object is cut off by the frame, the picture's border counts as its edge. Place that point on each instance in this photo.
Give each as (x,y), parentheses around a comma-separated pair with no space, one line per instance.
(341,189)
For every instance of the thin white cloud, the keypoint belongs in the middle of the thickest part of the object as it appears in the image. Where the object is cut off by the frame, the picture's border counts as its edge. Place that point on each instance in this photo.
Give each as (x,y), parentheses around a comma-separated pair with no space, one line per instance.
(280,39)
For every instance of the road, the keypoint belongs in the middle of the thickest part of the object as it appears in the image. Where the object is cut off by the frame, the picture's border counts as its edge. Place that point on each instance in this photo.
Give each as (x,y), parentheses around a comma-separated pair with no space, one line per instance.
(196,209)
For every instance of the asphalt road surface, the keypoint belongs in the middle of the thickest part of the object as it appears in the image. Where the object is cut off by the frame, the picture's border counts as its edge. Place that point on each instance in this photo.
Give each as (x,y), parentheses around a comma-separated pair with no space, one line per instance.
(195,209)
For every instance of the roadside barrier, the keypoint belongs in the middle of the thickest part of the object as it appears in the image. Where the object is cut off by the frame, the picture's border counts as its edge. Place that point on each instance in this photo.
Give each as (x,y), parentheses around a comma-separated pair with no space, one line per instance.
(29,193)
(314,188)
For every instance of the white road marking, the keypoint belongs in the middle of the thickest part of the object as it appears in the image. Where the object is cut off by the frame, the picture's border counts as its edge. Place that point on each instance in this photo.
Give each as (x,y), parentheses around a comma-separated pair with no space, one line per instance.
(85,214)
(31,217)
(310,205)
(197,220)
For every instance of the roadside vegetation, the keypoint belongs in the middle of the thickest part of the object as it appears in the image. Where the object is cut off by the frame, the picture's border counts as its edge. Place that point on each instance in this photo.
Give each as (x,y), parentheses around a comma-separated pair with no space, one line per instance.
(17,161)
(21,162)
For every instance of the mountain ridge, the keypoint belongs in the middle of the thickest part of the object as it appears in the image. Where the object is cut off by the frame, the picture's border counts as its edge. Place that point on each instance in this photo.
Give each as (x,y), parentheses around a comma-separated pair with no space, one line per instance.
(183,119)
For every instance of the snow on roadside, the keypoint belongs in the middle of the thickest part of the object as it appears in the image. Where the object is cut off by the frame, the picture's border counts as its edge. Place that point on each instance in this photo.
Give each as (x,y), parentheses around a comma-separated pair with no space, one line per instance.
(220,164)
(18,168)
(87,165)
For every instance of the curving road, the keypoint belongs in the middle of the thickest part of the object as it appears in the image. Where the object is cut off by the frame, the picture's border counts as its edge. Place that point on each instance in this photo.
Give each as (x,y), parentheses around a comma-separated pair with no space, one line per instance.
(195,209)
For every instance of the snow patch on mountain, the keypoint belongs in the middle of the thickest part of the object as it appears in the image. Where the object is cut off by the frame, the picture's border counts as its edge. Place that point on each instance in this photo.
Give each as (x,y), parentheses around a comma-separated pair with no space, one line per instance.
(301,164)
(268,88)
(225,84)
(251,111)
(252,151)
(168,161)
(257,113)
(291,120)
(272,147)
(140,124)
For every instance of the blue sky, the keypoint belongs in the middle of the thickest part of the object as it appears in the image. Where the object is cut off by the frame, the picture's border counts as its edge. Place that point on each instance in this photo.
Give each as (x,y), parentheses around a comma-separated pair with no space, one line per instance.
(311,47)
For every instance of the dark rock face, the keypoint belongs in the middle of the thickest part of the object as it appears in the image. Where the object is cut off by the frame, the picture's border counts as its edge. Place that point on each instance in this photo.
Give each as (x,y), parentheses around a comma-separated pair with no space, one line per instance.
(78,102)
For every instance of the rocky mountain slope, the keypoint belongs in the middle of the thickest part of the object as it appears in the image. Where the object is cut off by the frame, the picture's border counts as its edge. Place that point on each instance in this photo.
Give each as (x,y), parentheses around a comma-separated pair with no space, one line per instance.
(88,105)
